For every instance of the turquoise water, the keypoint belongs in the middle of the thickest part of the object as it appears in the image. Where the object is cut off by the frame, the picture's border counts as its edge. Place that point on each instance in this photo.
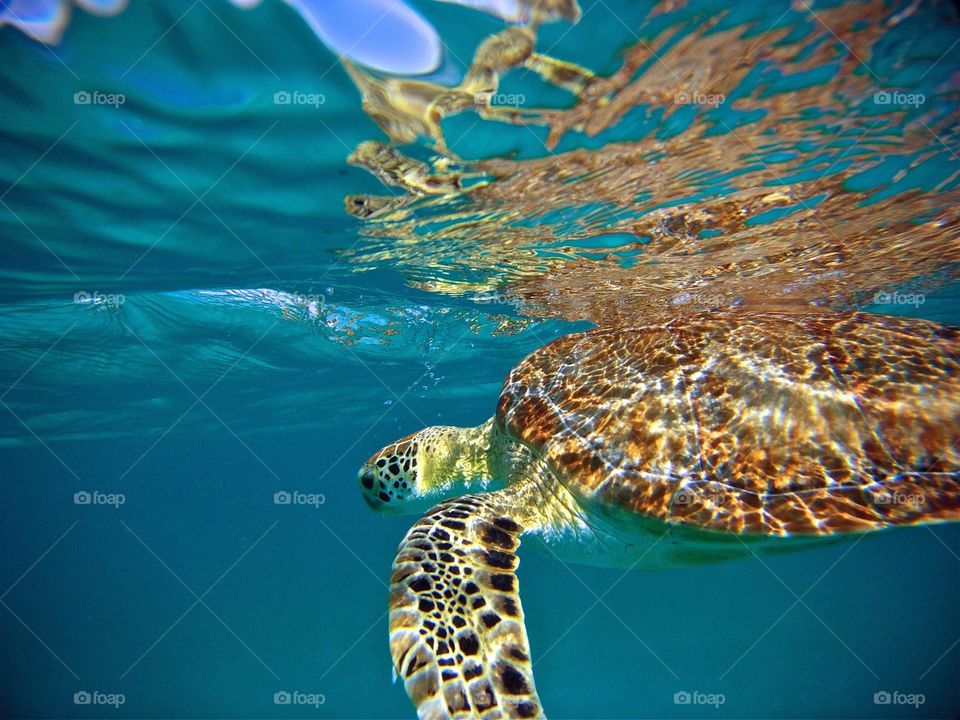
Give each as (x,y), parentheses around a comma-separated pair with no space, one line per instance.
(248,355)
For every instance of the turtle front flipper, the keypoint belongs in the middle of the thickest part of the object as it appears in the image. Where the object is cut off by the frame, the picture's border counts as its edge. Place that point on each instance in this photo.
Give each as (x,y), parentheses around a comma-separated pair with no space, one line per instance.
(456,625)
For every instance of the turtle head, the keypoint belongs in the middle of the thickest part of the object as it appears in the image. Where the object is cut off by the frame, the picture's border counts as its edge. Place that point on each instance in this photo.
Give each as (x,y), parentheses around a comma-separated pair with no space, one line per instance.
(417,471)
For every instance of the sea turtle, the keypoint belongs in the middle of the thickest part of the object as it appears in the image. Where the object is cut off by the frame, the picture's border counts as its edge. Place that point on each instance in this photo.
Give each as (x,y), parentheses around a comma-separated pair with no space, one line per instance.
(701,439)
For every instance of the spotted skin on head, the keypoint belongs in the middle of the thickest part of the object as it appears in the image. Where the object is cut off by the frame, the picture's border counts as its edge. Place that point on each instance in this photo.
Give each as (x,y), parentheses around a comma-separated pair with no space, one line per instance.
(457,635)
(391,474)
(421,469)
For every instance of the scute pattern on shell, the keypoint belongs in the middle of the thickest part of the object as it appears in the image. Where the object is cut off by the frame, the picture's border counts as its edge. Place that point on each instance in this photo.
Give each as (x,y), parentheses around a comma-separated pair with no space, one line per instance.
(764,423)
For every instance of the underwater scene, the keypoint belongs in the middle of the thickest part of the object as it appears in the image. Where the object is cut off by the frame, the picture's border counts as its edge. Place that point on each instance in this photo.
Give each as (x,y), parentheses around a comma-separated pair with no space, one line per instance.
(480,358)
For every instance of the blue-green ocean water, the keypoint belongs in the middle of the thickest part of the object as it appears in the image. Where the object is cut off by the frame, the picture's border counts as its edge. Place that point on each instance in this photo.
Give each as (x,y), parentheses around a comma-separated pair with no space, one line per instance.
(206,392)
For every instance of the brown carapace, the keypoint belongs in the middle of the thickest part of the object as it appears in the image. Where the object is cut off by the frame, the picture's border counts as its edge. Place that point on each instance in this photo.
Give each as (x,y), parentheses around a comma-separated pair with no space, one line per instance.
(774,424)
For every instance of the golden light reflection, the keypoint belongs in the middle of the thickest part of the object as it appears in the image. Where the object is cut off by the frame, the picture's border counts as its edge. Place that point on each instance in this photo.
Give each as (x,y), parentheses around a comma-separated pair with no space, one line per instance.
(812,184)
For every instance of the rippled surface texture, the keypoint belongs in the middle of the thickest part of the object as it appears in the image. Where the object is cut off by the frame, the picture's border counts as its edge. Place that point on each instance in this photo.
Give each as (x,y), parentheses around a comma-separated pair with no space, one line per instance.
(205,303)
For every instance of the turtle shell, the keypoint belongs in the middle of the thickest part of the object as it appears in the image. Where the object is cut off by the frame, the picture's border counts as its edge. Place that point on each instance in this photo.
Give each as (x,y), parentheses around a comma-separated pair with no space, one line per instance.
(769,423)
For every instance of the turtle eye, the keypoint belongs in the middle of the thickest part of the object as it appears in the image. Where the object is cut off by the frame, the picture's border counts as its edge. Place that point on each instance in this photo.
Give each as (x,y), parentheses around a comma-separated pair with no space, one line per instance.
(368,479)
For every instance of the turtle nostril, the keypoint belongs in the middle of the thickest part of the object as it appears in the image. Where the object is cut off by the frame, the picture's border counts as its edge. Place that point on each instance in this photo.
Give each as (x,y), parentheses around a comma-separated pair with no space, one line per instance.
(367,480)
